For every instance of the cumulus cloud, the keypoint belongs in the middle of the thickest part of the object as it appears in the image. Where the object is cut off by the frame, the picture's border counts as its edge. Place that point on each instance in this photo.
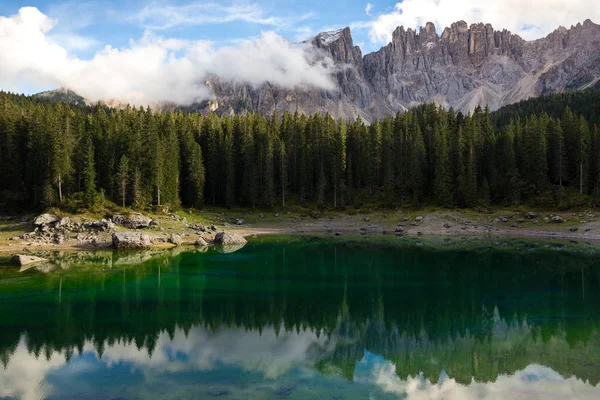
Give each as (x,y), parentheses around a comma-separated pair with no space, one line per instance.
(152,69)
(369,8)
(531,19)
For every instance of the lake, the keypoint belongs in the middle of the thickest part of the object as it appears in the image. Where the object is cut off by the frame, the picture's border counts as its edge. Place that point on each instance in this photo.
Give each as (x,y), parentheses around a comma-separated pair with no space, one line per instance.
(307,318)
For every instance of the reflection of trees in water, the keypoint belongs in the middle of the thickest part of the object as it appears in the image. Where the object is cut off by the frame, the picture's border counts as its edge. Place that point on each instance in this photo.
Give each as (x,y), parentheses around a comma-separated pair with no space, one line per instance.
(424,310)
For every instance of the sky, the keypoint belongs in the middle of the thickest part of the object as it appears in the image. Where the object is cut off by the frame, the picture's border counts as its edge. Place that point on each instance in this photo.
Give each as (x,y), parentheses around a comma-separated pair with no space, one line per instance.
(145,51)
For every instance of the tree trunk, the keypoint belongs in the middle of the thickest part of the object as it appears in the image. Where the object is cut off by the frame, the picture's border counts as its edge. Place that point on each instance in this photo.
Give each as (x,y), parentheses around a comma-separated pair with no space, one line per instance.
(59,189)
(335,195)
(158,194)
(581,178)
(282,180)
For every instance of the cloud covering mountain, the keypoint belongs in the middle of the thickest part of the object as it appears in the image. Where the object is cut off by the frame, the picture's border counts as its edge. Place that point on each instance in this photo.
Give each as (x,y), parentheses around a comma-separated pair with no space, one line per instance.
(152,69)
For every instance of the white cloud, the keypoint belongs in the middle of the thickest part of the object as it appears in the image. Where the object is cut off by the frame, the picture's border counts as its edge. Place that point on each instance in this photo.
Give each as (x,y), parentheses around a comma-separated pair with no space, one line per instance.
(152,69)
(368,9)
(74,42)
(159,16)
(531,19)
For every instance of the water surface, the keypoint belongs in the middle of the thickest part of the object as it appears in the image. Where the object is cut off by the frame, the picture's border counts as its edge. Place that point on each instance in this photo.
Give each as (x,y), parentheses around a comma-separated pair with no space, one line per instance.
(303,319)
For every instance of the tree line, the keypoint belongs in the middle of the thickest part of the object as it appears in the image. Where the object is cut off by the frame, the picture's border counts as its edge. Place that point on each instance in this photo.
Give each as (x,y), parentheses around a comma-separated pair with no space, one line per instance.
(52,153)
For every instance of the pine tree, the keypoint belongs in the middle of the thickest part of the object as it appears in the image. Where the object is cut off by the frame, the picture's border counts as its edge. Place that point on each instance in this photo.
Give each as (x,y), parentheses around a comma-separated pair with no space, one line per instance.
(442,178)
(123,178)
(582,153)
(556,152)
(339,162)
(228,166)
(89,174)
(467,167)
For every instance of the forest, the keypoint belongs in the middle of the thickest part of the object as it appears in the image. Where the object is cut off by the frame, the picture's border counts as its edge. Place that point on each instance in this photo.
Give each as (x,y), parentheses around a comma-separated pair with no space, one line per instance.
(543,152)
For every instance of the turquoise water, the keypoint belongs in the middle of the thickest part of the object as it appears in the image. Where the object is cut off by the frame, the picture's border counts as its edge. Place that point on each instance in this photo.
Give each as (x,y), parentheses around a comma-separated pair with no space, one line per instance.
(307,318)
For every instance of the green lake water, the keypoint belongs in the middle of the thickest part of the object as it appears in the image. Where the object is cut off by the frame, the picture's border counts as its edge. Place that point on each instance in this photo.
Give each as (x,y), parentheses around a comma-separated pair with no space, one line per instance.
(365,318)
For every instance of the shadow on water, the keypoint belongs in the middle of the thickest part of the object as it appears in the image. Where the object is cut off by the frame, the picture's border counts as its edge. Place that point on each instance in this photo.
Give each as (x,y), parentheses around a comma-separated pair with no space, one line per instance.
(279,311)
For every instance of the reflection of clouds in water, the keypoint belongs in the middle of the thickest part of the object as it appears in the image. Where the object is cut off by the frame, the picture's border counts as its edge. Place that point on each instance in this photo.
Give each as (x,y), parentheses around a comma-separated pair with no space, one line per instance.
(24,374)
(275,357)
(204,350)
(534,382)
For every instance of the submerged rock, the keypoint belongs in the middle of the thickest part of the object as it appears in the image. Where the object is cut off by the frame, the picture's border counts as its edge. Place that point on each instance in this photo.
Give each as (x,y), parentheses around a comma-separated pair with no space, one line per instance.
(229,238)
(230,248)
(131,240)
(23,260)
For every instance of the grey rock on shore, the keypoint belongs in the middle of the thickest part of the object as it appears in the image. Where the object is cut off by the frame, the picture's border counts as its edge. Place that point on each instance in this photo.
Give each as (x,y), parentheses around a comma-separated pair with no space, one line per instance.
(131,240)
(229,238)
(133,221)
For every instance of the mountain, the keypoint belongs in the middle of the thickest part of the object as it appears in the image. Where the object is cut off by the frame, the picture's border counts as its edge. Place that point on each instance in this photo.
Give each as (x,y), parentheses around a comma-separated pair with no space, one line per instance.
(63,95)
(465,67)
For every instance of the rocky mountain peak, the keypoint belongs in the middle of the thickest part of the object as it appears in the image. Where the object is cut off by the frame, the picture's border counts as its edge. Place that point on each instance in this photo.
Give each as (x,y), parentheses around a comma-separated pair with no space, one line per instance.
(464,67)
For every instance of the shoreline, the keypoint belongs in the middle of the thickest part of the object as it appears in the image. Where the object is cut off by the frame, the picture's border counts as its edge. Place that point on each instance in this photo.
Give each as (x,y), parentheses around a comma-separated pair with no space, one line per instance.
(581,227)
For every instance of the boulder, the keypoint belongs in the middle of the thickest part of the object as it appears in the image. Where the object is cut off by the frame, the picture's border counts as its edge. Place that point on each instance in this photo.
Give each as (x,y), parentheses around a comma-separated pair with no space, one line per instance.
(63,222)
(45,219)
(229,238)
(175,239)
(558,220)
(200,242)
(419,219)
(23,261)
(102,225)
(240,222)
(574,229)
(530,215)
(133,221)
(131,240)
(447,225)
(316,215)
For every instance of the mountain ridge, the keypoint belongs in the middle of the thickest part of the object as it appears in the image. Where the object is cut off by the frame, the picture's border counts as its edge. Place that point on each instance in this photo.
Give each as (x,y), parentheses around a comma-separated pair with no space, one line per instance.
(464,67)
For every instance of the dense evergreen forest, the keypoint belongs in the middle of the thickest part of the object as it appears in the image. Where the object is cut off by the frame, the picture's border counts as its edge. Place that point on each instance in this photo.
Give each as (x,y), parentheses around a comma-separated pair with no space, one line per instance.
(541,152)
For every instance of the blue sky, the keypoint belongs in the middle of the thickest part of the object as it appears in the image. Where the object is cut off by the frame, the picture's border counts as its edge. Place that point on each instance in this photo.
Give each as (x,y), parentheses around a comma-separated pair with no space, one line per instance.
(110,22)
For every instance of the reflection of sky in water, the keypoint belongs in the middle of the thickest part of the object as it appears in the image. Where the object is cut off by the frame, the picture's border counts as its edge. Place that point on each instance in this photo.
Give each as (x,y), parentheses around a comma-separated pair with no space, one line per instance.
(237,363)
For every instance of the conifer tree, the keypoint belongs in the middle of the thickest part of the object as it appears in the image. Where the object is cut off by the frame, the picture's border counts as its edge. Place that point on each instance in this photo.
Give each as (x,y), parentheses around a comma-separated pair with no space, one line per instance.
(123,178)
(442,178)
(89,174)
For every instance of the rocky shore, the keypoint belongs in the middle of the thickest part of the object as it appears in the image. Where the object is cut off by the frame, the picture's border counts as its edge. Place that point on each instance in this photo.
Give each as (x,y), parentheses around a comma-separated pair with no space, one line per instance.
(49,231)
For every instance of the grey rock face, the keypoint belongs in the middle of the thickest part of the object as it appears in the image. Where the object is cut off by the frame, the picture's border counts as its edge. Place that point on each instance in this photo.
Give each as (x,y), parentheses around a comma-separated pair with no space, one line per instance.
(131,240)
(464,67)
